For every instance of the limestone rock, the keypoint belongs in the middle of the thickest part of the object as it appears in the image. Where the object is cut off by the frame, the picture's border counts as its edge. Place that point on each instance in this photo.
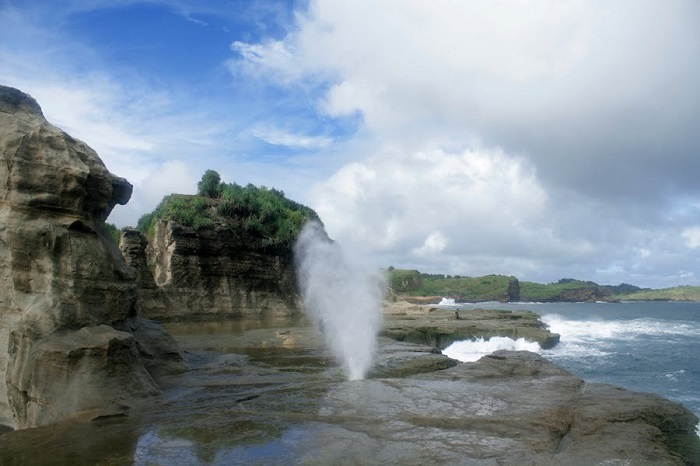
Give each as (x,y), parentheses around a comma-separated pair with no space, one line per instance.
(211,273)
(401,359)
(60,275)
(272,395)
(87,372)
(152,300)
(161,356)
(439,328)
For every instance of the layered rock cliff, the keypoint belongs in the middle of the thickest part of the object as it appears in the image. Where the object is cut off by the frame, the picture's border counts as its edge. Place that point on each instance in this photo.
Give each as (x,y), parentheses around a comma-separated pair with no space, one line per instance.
(212,272)
(70,341)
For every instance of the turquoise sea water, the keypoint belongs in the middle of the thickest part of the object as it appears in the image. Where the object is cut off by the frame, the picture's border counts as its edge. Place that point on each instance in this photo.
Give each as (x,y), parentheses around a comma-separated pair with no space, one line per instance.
(643,346)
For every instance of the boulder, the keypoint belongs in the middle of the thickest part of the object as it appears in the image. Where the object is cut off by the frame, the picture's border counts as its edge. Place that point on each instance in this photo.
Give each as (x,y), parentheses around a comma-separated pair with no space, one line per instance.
(66,293)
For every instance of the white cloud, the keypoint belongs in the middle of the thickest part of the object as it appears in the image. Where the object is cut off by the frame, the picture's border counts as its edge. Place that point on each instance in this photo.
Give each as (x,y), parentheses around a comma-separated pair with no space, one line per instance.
(537,138)
(591,96)
(169,177)
(280,137)
(433,244)
(423,204)
(273,59)
(692,237)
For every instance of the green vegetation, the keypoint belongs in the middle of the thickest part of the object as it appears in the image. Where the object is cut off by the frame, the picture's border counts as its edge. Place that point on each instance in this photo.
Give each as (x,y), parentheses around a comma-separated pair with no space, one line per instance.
(678,293)
(259,213)
(564,289)
(114,232)
(186,210)
(503,288)
(210,185)
(487,288)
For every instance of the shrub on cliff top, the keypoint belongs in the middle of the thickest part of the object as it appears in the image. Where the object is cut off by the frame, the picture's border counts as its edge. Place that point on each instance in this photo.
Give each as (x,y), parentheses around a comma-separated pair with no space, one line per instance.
(210,185)
(260,213)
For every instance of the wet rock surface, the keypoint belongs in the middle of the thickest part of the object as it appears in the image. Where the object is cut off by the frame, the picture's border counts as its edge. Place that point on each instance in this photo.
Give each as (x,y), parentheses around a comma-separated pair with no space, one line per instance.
(267,393)
(440,327)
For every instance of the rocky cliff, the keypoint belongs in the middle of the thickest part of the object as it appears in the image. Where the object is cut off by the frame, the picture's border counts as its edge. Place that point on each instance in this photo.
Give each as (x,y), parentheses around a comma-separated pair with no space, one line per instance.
(211,272)
(70,342)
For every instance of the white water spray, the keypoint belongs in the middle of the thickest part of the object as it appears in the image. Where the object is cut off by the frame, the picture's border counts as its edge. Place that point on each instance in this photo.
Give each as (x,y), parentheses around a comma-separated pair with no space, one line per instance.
(341,296)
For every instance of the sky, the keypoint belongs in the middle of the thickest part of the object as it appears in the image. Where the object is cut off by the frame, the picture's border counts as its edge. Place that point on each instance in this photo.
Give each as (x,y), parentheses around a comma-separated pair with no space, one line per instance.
(541,139)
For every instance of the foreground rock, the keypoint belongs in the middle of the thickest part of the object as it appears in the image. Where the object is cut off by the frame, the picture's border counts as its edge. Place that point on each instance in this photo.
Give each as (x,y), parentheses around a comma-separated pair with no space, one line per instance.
(439,327)
(69,345)
(269,394)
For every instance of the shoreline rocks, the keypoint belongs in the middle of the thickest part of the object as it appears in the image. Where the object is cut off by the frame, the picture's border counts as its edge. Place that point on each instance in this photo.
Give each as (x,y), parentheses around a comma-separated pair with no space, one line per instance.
(272,391)
(437,327)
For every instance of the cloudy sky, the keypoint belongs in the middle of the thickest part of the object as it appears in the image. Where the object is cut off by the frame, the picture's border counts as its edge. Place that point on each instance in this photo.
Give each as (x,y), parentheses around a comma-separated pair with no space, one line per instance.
(541,139)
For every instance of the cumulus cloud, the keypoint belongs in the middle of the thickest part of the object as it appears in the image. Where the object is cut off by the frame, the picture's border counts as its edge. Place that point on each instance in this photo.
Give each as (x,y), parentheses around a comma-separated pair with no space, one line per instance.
(537,138)
(420,206)
(531,135)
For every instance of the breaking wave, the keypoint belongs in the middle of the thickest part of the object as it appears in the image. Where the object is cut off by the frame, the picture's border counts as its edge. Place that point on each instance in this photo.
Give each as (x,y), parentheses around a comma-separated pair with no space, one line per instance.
(473,350)
(586,331)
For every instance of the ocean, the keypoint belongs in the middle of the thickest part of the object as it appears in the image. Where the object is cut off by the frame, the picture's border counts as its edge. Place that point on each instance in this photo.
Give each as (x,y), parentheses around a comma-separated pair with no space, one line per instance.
(642,346)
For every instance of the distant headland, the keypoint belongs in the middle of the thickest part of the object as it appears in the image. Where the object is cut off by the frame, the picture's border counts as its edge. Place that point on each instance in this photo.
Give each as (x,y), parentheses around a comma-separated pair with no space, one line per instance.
(415,286)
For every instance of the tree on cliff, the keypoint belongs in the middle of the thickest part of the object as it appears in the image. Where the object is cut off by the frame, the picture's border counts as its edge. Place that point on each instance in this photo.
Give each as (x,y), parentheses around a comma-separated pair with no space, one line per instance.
(210,185)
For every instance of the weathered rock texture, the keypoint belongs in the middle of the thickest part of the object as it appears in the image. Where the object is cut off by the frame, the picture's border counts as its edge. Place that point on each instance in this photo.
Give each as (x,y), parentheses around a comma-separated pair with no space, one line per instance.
(67,298)
(273,395)
(209,273)
(436,327)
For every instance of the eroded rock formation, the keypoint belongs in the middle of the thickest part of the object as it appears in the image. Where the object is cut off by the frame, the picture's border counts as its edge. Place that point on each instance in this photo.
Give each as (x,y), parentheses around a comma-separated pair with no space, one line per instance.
(209,273)
(67,298)
(436,327)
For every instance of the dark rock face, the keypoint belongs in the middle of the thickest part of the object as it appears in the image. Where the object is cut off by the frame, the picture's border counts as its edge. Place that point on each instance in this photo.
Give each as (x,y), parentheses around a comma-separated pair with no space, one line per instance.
(513,290)
(211,273)
(66,291)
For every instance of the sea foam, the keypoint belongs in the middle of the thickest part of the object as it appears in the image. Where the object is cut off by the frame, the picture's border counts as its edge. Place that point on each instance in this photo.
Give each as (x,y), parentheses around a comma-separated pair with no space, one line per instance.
(446,302)
(473,350)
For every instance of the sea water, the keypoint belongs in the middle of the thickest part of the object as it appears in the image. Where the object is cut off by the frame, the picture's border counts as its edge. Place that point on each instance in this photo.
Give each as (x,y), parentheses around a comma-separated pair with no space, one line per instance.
(642,346)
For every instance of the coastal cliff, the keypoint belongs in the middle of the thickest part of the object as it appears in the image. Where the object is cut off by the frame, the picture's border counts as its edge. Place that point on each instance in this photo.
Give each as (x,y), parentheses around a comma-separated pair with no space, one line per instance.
(71,344)
(209,273)
(224,253)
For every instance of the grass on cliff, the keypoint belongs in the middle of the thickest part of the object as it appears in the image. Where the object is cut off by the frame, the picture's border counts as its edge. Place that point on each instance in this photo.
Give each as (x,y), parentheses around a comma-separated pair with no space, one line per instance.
(258,212)
(414,283)
(678,293)
(495,288)
(541,292)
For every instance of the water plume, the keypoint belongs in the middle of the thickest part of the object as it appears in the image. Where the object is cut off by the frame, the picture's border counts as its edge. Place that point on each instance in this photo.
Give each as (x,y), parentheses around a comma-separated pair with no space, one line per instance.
(341,296)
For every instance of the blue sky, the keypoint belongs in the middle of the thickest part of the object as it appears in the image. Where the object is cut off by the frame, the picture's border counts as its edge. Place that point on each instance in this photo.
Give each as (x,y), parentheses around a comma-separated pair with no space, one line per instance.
(543,139)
